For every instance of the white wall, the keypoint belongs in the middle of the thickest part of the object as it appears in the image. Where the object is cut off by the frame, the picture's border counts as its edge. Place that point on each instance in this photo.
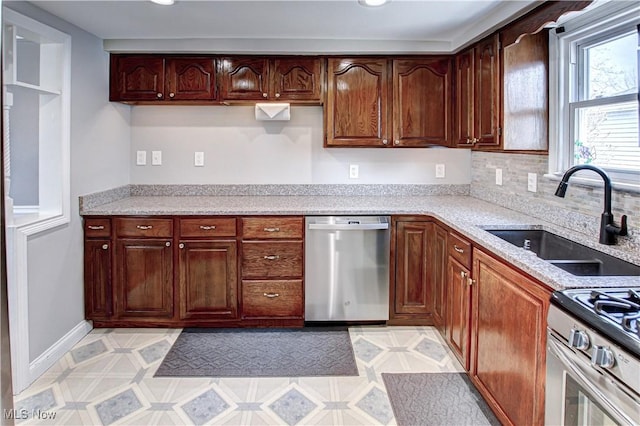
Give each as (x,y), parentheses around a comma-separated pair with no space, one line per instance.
(99,160)
(238,149)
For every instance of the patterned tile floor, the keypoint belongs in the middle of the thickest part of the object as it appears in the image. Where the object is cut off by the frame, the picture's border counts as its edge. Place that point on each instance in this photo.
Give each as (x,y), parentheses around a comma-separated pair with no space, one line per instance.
(107,379)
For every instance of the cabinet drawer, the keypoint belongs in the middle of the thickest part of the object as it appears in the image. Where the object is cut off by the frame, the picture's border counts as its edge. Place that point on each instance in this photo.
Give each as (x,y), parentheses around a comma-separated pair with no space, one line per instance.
(265,259)
(272,299)
(140,227)
(97,228)
(272,227)
(208,227)
(460,249)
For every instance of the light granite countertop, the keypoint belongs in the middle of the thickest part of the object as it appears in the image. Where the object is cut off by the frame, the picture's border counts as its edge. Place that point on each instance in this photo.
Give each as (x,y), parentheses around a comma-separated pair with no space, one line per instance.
(467,215)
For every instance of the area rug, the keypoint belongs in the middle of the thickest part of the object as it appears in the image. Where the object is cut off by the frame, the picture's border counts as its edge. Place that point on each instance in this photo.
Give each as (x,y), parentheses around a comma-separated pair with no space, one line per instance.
(304,352)
(436,399)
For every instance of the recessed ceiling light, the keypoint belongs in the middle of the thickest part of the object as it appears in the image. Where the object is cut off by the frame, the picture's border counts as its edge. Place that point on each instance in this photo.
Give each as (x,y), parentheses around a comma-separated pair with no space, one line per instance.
(373,3)
(163,2)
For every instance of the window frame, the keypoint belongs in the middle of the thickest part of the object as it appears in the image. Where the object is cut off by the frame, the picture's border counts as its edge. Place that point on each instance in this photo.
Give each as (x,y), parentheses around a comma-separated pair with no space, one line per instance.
(602,22)
(54,207)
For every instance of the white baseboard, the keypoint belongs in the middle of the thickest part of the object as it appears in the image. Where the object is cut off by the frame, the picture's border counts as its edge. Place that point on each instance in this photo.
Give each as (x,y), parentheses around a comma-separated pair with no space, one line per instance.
(56,351)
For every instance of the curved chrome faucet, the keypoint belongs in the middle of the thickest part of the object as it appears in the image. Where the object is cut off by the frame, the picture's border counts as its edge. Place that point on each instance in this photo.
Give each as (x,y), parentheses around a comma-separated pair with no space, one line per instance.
(608,230)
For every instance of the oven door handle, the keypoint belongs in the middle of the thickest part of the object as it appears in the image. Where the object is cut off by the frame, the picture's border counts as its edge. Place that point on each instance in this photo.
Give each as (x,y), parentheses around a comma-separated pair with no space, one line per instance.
(560,352)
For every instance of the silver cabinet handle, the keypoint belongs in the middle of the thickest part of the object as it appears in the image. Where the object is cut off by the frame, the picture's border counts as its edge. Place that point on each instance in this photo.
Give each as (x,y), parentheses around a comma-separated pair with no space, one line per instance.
(470,281)
(159,95)
(181,245)
(458,249)
(271,295)
(95,228)
(207,227)
(271,229)
(168,244)
(105,246)
(144,227)
(272,257)
(463,274)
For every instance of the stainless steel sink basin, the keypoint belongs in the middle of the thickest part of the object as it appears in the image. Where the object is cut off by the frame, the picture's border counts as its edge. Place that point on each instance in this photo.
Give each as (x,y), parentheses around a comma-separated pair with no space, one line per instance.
(566,254)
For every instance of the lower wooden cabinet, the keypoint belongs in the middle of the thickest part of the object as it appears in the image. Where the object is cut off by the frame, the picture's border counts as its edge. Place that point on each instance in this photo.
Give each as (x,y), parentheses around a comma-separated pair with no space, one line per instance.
(508,340)
(458,311)
(272,298)
(144,278)
(208,279)
(439,255)
(98,290)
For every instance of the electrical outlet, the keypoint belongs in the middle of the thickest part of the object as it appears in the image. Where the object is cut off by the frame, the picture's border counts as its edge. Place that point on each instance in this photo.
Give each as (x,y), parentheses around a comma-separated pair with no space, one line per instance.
(532,182)
(198,159)
(156,158)
(141,158)
(439,170)
(498,176)
(353,171)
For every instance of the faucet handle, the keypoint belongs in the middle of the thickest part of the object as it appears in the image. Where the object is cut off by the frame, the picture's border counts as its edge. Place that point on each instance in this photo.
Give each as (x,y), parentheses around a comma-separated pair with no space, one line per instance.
(623,225)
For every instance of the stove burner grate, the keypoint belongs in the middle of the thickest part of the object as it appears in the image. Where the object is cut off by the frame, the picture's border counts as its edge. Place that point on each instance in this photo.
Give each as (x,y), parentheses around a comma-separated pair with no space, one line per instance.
(620,307)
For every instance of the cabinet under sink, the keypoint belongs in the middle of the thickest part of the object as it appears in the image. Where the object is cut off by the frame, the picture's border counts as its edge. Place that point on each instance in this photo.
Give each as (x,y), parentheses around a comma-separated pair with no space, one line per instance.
(566,254)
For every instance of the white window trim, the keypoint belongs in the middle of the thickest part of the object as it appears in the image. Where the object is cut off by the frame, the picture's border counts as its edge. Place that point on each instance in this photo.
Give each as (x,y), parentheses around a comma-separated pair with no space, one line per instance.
(613,14)
(53,213)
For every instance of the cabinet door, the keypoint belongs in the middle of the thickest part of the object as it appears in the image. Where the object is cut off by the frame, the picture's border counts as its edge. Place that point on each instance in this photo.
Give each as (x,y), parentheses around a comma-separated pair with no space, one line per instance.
(439,259)
(208,280)
(487,92)
(458,311)
(191,79)
(136,78)
(245,79)
(356,111)
(296,79)
(464,105)
(413,293)
(144,286)
(509,340)
(98,301)
(421,102)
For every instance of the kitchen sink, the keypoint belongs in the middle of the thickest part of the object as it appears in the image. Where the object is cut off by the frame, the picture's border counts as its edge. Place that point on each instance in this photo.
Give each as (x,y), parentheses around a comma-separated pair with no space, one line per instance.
(566,254)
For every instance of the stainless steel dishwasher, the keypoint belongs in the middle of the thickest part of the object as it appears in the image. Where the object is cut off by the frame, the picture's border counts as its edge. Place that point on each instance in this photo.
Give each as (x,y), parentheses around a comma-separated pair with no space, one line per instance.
(347,268)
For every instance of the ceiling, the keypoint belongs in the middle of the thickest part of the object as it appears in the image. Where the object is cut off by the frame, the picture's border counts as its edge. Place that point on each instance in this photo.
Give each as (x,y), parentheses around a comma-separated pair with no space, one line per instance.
(293,26)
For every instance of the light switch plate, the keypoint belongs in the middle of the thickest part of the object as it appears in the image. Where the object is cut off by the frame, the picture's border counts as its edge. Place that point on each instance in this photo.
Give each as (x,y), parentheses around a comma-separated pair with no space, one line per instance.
(440,171)
(532,182)
(156,158)
(198,159)
(141,158)
(498,176)
(354,171)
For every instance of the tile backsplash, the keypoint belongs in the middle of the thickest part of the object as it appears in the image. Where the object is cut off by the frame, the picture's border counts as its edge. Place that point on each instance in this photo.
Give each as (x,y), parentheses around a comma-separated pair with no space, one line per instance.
(579,210)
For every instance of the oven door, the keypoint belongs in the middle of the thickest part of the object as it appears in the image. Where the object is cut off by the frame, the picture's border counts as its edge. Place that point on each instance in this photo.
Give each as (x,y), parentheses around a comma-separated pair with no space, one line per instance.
(579,394)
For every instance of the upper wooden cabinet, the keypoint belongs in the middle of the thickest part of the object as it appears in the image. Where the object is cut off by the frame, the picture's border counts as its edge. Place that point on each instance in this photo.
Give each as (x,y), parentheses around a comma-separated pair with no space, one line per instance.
(375,102)
(156,79)
(477,111)
(281,79)
(357,108)
(421,102)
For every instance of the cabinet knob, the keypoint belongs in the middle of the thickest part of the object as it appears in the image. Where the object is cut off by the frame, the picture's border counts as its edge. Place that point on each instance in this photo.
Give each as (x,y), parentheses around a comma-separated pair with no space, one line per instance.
(172,95)
(277,95)
(105,246)
(159,95)
(396,142)
(385,142)
(264,95)
(463,275)
(168,244)
(475,140)
(181,245)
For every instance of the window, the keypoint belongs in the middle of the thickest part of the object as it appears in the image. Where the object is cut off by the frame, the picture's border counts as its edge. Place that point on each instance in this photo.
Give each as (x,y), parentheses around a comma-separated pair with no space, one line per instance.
(35,76)
(597,92)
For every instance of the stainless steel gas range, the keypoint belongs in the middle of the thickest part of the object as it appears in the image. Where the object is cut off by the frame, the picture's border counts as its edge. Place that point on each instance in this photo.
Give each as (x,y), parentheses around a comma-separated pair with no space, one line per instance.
(593,357)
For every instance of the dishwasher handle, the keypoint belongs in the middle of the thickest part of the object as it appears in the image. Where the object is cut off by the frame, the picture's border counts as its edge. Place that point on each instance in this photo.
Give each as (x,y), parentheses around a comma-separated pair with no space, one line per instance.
(348,227)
